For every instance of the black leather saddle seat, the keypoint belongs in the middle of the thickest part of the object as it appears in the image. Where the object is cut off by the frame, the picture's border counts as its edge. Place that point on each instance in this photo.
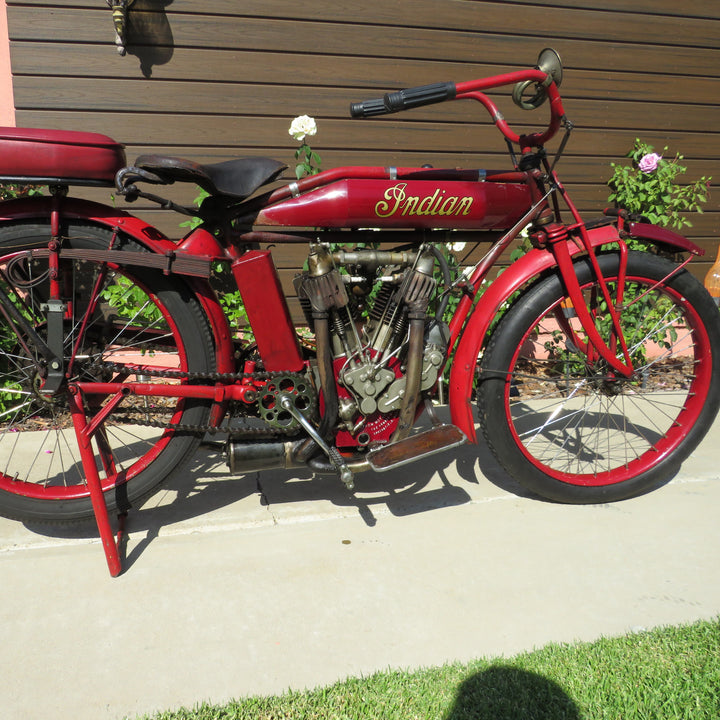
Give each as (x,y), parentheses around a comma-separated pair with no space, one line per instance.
(238,178)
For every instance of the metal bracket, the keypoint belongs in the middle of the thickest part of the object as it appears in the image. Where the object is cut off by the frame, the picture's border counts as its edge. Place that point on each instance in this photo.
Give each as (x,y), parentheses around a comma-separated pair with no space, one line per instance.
(55,370)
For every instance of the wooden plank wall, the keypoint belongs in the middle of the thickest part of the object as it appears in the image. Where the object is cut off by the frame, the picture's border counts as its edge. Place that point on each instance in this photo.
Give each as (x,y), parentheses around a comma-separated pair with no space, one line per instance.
(221,78)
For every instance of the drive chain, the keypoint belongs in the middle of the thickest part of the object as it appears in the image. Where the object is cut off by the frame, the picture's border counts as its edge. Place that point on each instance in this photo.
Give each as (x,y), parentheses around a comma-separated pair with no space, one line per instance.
(246,432)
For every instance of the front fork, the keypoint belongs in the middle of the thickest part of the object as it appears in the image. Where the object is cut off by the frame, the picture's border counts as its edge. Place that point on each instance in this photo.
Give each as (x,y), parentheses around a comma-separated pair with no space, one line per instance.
(614,351)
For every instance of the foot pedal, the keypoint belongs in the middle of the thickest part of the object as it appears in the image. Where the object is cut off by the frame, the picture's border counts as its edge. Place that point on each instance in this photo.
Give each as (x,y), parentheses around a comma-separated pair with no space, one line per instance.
(415,447)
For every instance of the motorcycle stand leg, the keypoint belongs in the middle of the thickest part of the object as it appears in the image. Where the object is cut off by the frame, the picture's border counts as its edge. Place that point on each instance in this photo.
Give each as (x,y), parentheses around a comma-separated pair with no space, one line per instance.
(84,433)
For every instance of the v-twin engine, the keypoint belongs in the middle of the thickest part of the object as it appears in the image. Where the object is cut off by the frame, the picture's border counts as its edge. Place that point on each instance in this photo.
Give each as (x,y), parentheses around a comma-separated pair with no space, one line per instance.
(384,350)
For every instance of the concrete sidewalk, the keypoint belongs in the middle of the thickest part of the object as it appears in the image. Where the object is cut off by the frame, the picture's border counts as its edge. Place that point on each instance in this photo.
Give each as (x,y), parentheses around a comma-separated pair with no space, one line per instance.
(253,585)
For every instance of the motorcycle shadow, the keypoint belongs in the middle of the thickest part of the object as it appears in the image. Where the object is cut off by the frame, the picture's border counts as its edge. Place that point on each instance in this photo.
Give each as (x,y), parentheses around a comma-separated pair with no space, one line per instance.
(203,491)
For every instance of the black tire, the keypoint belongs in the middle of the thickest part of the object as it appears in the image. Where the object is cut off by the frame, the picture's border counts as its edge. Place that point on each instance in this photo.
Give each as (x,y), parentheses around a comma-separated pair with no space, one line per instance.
(572,432)
(41,476)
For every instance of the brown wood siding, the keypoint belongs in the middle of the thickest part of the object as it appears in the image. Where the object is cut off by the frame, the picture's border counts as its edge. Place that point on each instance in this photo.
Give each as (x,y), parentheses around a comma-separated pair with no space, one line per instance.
(221,78)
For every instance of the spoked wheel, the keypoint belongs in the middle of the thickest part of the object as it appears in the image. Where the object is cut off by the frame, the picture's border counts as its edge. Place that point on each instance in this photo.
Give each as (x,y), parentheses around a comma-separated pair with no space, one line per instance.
(114,321)
(570,429)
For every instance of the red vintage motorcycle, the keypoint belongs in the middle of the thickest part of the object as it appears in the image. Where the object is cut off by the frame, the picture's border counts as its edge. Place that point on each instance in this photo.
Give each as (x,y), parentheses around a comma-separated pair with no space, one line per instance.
(593,368)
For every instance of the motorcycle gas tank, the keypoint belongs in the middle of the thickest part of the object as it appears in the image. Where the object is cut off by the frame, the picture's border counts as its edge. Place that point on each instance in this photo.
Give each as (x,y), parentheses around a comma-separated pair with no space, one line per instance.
(432,204)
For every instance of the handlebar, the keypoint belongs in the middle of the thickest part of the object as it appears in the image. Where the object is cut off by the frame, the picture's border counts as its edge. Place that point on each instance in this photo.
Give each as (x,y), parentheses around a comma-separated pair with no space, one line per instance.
(545,77)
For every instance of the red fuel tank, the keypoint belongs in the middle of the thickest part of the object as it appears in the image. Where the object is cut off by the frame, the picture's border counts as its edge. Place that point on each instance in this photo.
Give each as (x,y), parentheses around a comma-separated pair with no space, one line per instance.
(401,203)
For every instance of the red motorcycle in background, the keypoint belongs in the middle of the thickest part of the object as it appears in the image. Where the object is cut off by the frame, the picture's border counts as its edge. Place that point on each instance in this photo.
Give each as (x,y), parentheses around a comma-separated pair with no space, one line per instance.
(592,369)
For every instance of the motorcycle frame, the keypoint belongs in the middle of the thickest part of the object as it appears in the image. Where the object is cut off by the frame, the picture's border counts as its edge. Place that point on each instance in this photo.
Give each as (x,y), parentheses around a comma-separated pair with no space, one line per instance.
(276,334)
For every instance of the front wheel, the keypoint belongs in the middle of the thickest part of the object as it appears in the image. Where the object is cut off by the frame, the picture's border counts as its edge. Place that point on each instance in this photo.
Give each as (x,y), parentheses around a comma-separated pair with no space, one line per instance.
(568,428)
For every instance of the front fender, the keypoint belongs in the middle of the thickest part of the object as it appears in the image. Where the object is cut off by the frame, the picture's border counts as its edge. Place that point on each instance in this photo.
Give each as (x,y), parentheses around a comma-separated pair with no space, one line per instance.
(529,266)
(663,237)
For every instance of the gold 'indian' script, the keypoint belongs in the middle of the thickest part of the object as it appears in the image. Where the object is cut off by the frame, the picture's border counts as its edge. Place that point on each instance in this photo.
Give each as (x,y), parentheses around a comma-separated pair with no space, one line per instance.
(398,202)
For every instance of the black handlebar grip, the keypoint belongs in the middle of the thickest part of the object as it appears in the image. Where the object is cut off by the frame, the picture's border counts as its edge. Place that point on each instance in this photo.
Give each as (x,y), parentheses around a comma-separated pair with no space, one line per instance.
(417,96)
(367,108)
(404,100)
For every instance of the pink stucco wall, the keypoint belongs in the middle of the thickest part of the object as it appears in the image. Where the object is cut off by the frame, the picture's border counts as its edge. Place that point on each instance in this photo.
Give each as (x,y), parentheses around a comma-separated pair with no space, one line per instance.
(7,103)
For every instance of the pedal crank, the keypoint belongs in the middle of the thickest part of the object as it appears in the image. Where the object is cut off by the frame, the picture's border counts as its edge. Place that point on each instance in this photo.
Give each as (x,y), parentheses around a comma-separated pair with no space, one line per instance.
(332,453)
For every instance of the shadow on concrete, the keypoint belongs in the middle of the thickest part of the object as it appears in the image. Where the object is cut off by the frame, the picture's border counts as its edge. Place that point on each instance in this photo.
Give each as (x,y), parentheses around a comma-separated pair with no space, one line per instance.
(204,486)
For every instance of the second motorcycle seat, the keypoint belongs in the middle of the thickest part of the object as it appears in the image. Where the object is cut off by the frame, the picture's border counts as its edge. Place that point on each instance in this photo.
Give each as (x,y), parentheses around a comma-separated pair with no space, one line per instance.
(238,178)
(58,157)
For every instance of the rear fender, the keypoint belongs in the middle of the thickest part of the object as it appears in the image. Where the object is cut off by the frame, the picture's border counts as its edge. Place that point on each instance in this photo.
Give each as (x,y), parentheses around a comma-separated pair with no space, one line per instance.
(529,266)
(39,209)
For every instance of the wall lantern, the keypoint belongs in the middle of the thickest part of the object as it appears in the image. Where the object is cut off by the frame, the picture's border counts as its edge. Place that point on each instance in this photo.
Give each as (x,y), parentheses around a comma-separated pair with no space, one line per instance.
(120,10)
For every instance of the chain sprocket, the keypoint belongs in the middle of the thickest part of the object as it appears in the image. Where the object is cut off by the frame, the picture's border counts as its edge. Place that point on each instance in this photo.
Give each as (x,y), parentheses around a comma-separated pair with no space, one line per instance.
(300,392)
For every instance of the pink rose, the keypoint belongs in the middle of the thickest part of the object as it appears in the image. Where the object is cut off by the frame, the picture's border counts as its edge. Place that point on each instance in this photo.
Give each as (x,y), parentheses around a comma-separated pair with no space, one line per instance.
(649,162)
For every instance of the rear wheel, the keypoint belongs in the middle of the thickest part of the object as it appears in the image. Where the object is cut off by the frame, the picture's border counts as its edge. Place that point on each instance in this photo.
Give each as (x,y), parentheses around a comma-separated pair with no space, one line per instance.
(567,427)
(114,320)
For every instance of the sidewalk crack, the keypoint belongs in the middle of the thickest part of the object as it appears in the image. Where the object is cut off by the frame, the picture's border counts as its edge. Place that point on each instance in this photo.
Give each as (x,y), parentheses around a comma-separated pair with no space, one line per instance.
(263,497)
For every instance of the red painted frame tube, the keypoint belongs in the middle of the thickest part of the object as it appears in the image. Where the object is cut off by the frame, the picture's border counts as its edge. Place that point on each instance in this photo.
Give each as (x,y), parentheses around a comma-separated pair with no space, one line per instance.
(84,434)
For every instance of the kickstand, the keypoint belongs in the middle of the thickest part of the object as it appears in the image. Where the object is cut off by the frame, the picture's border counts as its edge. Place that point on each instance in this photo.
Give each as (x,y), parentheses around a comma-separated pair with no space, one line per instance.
(84,434)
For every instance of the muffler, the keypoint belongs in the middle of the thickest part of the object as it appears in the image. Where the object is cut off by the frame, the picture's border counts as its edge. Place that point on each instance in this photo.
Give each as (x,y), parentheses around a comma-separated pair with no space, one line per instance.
(245,457)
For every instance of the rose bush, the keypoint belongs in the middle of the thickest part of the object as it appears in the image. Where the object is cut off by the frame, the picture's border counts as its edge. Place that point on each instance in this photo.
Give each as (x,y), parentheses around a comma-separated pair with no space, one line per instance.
(648,187)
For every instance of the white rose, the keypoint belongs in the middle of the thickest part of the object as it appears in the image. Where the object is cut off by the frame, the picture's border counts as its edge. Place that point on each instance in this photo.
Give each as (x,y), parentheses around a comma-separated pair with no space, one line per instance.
(301,126)
(456,246)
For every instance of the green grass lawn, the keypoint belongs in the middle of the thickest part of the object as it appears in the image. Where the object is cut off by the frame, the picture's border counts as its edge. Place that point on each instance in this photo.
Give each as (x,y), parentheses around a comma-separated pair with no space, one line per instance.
(663,674)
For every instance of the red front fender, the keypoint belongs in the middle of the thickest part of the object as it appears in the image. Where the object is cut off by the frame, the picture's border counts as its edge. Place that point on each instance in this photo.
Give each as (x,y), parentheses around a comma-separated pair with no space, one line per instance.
(529,266)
